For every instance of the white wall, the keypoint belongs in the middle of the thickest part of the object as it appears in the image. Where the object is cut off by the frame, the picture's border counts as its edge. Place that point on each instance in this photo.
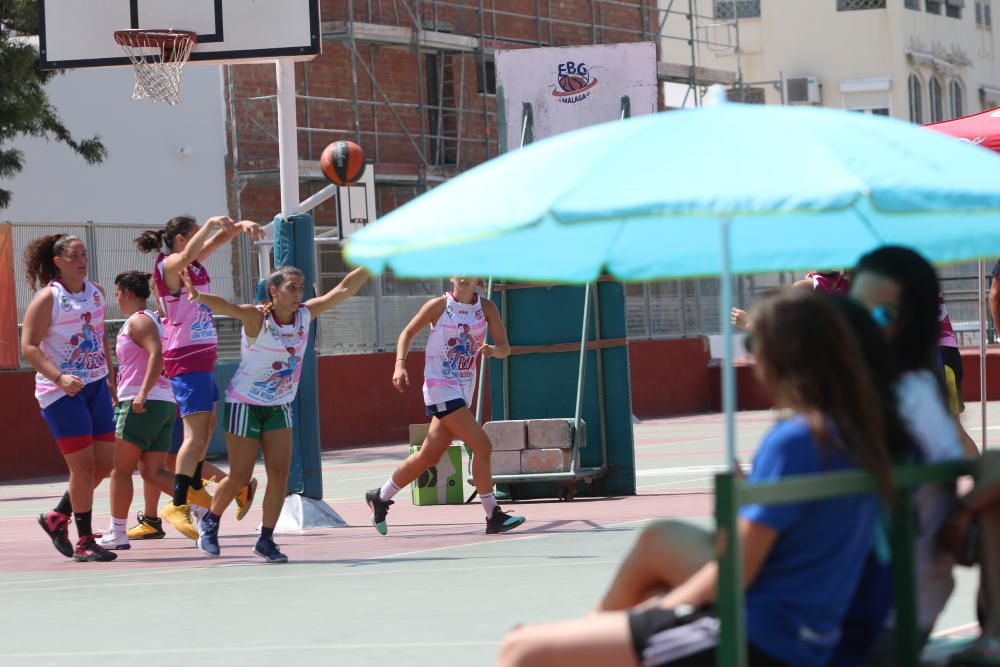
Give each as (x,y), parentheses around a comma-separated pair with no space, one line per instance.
(144,180)
(861,51)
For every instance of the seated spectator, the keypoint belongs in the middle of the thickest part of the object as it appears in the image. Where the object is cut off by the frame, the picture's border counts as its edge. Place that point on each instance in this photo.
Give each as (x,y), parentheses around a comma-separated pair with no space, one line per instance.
(801,561)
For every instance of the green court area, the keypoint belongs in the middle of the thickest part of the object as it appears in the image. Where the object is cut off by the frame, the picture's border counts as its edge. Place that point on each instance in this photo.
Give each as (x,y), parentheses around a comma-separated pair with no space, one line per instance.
(434,591)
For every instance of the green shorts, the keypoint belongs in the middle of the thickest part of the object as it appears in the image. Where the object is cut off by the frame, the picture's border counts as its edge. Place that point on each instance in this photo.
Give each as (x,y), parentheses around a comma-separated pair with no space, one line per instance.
(152,430)
(249,421)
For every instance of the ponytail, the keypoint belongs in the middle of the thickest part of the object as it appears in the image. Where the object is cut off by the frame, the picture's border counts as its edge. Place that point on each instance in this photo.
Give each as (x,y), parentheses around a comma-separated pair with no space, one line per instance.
(152,240)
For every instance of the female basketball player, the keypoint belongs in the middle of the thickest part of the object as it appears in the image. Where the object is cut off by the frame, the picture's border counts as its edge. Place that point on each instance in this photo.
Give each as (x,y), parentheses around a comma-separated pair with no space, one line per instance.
(63,339)
(146,410)
(458,322)
(190,348)
(259,398)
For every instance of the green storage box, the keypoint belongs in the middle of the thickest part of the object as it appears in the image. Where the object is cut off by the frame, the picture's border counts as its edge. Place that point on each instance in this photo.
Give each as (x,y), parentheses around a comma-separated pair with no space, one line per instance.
(440,484)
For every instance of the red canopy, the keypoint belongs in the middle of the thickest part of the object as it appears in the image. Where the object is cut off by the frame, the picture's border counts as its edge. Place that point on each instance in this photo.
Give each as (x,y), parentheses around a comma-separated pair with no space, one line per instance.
(981,128)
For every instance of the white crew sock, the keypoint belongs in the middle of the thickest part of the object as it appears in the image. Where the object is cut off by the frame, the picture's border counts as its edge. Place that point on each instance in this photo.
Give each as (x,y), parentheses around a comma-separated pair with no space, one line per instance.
(389,489)
(489,501)
(118,526)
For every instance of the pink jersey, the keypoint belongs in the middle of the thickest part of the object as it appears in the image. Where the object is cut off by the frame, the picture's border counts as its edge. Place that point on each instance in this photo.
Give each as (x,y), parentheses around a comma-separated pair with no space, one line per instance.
(452,350)
(271,365)
(132,362)
(833,282)
(191,342)
(75,339)
(947,338)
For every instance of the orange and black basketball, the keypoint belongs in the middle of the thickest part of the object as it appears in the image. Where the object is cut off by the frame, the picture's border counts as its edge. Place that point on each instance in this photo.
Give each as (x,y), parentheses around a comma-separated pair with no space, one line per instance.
(343,162)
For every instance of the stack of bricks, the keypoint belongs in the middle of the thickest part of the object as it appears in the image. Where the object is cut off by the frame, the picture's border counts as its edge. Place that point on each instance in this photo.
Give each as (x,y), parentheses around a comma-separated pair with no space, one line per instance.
(532,445)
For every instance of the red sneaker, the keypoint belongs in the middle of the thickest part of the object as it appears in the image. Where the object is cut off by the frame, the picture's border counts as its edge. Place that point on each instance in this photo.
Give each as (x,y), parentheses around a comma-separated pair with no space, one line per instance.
(87,549)
(56,526)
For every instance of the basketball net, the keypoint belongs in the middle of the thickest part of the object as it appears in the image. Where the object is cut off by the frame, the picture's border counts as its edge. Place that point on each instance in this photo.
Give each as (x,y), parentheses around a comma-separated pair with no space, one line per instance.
(159,57)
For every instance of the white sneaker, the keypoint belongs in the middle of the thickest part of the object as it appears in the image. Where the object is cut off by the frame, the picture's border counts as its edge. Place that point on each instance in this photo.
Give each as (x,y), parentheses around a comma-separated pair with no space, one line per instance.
(113,542)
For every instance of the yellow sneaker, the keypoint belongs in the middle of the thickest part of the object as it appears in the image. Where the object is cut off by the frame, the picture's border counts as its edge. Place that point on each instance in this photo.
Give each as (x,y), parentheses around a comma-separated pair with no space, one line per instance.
(199,497)
(180,519)
(146,528)
(245,498)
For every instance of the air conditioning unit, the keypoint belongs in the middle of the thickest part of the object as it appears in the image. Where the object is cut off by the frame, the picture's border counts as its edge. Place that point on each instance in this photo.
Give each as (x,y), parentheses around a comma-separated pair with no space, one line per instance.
(802,90)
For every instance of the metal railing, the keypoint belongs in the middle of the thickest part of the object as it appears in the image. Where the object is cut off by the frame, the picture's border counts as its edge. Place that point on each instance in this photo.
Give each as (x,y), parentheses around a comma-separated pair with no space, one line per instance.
(731,493)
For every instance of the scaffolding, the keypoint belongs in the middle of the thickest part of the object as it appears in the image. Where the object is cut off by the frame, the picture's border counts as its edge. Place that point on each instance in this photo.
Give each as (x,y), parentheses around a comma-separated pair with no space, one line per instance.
(446,124)
(441,119)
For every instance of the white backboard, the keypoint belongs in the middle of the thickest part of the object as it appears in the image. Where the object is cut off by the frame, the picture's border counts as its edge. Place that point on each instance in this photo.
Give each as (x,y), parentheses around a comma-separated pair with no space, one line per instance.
(574,86)
(80,33)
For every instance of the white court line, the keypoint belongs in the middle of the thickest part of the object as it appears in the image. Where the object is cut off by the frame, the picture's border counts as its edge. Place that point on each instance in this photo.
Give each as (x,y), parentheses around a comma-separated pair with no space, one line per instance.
(687,470)
(955,630)
(683,481)
(333,575)
(245,647)
(182,570)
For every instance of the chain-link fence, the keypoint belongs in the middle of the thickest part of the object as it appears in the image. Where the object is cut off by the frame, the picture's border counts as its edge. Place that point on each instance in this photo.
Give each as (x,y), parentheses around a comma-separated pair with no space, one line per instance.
(373,319)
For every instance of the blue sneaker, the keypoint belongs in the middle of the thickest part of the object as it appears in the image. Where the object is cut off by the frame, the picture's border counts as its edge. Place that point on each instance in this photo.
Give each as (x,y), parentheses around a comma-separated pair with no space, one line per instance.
(208,536)
(269,551)
(501,522)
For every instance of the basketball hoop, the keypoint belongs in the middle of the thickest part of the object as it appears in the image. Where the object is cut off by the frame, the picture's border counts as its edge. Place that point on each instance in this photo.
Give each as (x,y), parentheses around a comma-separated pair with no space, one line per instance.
(159,57)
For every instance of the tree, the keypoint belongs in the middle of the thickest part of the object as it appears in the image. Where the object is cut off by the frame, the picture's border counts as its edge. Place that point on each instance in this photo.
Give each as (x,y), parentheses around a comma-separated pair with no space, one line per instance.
(24,106)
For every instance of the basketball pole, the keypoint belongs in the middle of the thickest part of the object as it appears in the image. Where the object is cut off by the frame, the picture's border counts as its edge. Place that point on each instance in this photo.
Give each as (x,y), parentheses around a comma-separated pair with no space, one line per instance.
(294,232)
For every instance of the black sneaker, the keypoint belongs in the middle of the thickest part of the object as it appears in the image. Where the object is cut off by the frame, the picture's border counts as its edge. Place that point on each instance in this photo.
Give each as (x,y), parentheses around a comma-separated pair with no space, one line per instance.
(269,551)
(501,522)
(56,526)
(379,509)
(88,550)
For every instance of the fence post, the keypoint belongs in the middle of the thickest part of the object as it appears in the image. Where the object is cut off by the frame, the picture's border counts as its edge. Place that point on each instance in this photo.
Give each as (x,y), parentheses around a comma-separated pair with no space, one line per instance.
(904,578)
(93,265)
(732,632)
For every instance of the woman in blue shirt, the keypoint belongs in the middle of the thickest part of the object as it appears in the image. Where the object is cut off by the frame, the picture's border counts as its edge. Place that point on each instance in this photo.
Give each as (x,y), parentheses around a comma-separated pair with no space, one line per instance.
(801,561)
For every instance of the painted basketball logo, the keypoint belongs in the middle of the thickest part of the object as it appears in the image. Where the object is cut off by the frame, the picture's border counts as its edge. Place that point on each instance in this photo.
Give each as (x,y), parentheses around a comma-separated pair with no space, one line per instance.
(573,82)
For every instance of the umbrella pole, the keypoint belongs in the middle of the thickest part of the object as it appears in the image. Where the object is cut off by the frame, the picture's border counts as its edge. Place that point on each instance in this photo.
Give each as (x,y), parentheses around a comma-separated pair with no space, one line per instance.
(982,353)
(728,372)
(482,374)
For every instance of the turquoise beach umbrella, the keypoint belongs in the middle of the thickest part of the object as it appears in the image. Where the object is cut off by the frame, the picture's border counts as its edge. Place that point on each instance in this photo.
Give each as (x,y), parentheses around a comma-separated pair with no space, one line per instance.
(803,188)
(724,189)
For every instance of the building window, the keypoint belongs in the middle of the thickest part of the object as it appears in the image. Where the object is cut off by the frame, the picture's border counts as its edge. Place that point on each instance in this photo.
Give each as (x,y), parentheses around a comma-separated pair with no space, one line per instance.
(937,100)
(983,13)
(916,100)
(746,95)
(953,8)
(932,6)
(956,99)
(912,4)
(979,12)
(850,5)
(486,77)
(987,13)
(874,111)
(744,9)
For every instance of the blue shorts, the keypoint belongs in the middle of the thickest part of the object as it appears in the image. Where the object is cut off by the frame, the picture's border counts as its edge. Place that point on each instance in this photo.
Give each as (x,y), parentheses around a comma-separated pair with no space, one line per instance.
(77,421)
(195,392)
(442,410)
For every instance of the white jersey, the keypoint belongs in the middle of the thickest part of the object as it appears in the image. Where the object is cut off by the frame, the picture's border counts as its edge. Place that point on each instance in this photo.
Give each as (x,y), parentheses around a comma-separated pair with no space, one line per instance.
(452,350)
(271,364)
(74,341)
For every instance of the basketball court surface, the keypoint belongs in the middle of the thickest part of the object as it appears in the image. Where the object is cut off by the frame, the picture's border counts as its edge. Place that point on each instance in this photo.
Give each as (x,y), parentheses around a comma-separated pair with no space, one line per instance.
(434,591)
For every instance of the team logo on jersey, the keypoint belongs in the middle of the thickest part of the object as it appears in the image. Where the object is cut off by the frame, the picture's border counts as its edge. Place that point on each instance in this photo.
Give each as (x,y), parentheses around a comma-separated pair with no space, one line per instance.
(460,358)
(88,349)
(573,82)
(281,380)
(479,314)
(64,304)
(203,328)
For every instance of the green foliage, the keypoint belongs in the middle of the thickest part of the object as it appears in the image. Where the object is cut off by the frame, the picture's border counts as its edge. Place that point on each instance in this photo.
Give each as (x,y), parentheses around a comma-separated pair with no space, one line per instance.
(24,106)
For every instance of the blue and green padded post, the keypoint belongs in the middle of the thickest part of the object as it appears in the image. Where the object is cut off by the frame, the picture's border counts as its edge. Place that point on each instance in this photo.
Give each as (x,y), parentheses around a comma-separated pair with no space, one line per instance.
(293,246)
